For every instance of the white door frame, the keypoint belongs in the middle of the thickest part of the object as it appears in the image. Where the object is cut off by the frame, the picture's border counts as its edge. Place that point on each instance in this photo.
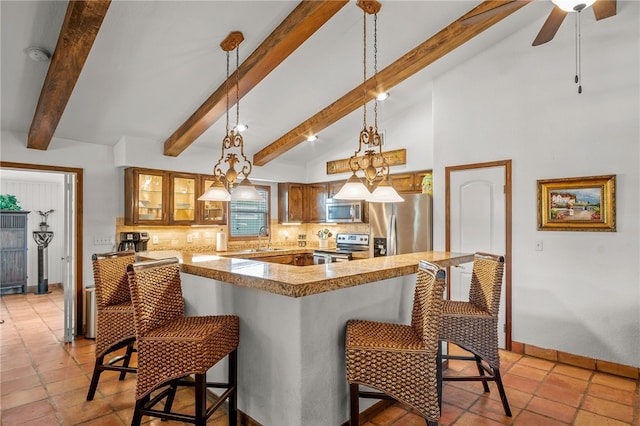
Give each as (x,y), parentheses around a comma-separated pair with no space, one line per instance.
(508,223)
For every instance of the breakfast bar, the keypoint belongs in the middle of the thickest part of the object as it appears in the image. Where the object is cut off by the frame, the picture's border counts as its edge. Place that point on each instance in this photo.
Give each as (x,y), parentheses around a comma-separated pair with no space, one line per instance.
(291,368)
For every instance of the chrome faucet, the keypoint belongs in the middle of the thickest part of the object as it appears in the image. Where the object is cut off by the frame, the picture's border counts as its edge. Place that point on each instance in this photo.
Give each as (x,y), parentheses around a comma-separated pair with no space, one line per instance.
(264,232)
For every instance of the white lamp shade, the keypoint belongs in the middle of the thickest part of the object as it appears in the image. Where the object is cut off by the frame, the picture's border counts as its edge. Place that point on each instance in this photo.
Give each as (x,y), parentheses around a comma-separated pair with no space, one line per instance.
(569,5)
(353,189)
(216,192)
(385,193)
(246,192)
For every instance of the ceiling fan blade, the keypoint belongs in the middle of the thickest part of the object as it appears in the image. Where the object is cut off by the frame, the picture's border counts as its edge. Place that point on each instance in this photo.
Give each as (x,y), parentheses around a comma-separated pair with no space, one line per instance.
(604,8)
(505,7)
(550,26)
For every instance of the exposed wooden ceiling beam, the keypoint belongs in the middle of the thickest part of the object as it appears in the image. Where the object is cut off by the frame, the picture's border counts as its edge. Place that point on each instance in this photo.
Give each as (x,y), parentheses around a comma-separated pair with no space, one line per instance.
(448,39)
(305,19)
(79,30)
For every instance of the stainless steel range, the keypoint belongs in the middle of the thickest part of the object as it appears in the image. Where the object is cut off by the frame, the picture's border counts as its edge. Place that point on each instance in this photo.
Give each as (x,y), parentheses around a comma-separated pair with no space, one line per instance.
(348,246)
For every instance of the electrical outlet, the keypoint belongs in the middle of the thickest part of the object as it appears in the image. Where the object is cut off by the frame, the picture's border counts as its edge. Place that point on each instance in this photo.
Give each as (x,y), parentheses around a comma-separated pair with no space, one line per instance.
(155,239)
(538,245)
(103,240)
(189,238)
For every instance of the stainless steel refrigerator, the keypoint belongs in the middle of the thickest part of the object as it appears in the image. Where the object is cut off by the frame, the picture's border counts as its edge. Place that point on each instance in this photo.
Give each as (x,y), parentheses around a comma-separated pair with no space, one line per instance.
(398,228)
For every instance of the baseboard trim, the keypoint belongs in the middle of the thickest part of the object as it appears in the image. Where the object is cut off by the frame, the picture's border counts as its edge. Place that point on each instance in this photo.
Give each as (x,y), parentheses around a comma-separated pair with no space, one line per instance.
(576,360)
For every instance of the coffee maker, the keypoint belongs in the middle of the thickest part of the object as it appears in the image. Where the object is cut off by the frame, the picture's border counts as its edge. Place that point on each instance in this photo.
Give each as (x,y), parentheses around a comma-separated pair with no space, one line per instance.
(136,241)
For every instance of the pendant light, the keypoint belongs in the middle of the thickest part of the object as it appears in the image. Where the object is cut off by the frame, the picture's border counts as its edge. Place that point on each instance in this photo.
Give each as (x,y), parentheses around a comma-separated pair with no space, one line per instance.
(232,145)
(368,159)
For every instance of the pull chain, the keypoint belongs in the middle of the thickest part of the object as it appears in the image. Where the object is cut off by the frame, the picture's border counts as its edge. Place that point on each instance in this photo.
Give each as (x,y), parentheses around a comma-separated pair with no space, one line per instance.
(578,78)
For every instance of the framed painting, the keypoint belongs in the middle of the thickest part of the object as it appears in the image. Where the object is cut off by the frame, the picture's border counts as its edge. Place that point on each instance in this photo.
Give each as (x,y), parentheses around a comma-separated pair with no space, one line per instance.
(577,204)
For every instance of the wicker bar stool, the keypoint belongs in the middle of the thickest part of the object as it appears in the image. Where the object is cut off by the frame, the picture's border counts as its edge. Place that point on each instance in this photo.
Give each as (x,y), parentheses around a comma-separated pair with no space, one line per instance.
(400,360)
(172,346)
(473,324)
(114,315)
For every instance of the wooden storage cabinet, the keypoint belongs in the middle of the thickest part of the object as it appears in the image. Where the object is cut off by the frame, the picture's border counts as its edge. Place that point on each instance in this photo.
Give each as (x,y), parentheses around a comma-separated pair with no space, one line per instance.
(315,202)
(291,202)
(158,197)
(13,251)
(409,183)
(182,198)
(146,195)
(210,212)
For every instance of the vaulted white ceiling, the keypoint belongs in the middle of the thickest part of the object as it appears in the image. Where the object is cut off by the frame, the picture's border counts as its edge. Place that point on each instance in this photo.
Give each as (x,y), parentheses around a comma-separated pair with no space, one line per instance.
(154,62)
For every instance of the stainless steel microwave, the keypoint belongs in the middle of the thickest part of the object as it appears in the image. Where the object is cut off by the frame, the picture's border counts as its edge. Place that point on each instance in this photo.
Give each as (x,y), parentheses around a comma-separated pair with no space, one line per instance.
(344,211)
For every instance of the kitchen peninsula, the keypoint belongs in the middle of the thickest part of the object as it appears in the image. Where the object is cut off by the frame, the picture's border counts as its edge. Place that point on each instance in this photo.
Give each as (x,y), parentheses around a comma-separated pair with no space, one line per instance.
(292,318)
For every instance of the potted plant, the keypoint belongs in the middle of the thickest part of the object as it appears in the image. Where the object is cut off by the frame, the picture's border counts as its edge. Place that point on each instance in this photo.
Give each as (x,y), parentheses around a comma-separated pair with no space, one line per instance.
(9,202)
(324,235)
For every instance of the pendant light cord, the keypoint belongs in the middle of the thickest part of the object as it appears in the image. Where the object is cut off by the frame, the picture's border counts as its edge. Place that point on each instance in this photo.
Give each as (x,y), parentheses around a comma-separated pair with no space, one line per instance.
(237,88)
(375,70)
(364,68)
(227,88)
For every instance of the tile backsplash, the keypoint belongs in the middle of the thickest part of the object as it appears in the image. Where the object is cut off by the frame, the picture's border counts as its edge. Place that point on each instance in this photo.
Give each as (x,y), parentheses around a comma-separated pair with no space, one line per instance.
(203,238)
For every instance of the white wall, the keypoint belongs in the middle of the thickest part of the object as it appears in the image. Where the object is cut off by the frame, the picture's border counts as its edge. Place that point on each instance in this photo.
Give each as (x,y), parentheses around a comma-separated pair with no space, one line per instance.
(101,196)
(581,294)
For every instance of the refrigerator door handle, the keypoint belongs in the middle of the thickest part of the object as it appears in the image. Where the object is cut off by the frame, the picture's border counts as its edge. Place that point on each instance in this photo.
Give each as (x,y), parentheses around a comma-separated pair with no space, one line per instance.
(392,237)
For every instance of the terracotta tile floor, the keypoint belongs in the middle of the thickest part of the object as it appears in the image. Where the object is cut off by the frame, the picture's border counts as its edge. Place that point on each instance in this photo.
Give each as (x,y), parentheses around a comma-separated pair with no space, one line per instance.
(45,382)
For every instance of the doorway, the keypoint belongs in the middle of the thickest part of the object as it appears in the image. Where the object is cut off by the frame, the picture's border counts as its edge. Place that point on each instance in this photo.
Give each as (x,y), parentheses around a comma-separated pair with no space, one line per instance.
(478,218)
(72,234)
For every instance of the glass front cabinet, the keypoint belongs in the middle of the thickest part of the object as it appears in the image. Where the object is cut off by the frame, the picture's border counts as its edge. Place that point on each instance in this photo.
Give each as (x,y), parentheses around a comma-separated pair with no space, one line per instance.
(158,197)
(145,197)
(210,212)
(183,199)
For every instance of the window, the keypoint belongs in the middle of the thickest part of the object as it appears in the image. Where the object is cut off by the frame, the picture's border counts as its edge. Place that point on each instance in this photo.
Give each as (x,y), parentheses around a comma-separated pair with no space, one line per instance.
(246,217)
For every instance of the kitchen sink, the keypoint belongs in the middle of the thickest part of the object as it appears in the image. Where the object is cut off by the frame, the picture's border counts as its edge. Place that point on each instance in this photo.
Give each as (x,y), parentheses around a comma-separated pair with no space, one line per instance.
(260,250)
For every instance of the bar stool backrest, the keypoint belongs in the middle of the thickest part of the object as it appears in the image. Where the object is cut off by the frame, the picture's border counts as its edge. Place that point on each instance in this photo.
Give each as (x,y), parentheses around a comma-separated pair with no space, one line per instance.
(426,316)
(156,293)
(110,277)
(486,282)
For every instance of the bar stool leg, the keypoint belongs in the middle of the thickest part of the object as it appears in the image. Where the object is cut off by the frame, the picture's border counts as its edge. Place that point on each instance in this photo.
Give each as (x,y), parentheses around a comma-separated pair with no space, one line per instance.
(137,413)
(97,370)
(127,359)
(233,382)
(355,404)
(481,371)
(201,399)
(503,395)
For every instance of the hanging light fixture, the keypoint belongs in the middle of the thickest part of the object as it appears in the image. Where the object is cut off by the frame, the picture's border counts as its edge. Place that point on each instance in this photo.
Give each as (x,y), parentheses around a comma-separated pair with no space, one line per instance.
(232,145)
(368,158)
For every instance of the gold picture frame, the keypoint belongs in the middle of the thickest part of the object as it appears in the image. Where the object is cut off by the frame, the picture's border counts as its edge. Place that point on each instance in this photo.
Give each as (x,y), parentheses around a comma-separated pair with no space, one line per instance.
(577,204)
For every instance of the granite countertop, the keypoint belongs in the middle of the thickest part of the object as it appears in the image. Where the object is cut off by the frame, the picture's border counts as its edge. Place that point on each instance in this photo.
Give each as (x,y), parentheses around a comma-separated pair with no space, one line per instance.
(297,281)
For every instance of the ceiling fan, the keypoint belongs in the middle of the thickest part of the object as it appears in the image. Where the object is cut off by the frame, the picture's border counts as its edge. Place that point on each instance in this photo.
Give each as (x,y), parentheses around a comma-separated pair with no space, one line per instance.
(601,8)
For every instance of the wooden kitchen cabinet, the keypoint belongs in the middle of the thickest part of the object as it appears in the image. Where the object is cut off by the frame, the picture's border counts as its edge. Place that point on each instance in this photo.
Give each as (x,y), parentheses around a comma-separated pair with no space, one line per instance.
(146,197)
(291,202)
(303,259)
(408,182)
(210,212)
(182,198)
(315,202)
(334,186)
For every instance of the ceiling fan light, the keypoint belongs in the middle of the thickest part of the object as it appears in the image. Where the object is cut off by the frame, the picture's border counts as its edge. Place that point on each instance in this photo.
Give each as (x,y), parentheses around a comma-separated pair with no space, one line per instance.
(353,189)
(216,192)
(246,192)
(382,96)
(573,5)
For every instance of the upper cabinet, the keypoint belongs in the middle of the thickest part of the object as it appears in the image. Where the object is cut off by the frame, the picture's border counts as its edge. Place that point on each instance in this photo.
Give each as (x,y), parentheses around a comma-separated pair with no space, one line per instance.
(291,202)
(146,195)
(158,197)
(316,202)
(408,182)
(210,212)
(182,198)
